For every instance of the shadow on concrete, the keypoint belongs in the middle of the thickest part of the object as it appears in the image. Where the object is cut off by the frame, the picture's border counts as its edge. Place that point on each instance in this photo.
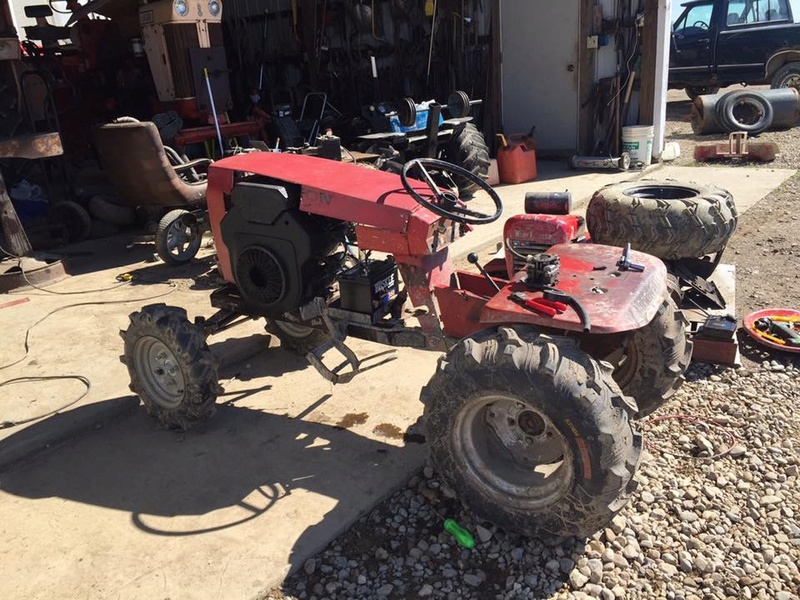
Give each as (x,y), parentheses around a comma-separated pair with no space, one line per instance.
(243,459)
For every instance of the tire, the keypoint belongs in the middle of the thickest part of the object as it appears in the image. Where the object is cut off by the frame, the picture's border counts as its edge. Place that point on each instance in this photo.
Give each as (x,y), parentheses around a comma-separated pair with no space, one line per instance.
(744,111)
(296,338)
(73,218)
(573,412)
(103,208)
(693,91)
(178,237)
(654,360)
(468,149)
(667,219)
(170,365)
(103,229)
(787,76)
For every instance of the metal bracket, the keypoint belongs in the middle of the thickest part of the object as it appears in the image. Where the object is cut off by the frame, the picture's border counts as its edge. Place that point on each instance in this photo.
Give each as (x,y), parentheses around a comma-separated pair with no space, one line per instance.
(318,306)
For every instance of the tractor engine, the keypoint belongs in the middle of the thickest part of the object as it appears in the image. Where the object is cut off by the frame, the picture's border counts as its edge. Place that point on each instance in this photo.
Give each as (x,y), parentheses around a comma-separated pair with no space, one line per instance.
(280,256)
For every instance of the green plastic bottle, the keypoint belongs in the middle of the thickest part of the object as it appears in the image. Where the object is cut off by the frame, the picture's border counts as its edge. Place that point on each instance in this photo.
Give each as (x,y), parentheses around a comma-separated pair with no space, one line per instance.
(463,537)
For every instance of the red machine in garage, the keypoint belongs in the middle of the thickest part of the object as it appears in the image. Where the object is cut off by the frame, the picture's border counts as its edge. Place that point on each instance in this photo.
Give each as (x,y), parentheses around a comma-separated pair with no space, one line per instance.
(530,413)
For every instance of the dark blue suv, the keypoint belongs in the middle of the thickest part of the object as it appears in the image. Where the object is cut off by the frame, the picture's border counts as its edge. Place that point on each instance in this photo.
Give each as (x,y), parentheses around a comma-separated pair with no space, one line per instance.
(716,43)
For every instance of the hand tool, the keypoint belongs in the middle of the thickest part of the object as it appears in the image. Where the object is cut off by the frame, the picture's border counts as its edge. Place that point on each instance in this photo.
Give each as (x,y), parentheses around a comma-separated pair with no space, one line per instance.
(625,263)
(782,330)
(534,304)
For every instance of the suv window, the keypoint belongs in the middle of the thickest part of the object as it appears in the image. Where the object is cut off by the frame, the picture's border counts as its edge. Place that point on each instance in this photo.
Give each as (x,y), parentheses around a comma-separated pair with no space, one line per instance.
(695,20)
(750,12)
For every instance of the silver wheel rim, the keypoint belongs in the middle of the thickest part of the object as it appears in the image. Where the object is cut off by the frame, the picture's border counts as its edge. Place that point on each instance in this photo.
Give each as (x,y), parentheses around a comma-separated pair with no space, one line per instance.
(792,80)
(183,239)
(512,452)
(159,372)
(294,330)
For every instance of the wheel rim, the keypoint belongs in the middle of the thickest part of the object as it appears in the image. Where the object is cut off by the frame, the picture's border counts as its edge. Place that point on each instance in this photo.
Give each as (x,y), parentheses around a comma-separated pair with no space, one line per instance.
(513,452)
(182,239)
(747,112)
(159,372)
(294,330)
(792,80)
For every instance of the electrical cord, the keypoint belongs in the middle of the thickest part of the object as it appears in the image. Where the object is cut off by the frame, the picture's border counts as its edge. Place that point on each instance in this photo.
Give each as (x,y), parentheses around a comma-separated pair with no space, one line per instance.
(41,289)
(75,305)
(87,384)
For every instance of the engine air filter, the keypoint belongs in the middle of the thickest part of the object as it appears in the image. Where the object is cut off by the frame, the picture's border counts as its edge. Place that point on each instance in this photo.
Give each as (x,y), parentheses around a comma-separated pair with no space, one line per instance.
(260,277)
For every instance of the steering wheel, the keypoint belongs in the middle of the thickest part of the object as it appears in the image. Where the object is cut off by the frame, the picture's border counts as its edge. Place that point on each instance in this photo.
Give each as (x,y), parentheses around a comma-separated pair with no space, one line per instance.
(700,25)
(445,202)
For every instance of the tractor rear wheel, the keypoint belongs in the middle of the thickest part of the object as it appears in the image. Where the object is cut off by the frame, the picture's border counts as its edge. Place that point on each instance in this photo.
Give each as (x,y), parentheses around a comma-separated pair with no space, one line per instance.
(667,219)
(170,365)
(651,364)
(532,433)
(468,149)
(299,339)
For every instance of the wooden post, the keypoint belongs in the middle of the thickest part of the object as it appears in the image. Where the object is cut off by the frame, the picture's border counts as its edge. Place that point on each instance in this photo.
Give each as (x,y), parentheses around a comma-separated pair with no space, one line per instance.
(647,81)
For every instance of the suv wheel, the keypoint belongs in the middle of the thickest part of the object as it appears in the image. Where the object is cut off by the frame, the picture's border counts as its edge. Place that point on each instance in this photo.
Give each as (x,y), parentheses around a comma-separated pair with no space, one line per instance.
(787,76)
(693,91)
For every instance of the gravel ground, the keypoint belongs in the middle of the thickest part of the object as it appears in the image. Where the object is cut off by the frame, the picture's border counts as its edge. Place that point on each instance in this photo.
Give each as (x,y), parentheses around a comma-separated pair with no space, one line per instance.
(716,511)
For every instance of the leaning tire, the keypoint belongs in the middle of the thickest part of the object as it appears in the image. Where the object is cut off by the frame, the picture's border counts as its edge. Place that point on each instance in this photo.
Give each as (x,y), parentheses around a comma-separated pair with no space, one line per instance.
(170,365)
(654,360)
(178,237)
(468,149)
(744,111)
(299,339)
(787,76)
(667,219)
(507,402)
(73,218)
(105,209)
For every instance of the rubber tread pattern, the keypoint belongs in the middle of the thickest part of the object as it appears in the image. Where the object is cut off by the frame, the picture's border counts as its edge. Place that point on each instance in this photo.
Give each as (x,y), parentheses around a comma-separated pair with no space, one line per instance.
(580,397)
(468,149)
(669,229)
(187,342)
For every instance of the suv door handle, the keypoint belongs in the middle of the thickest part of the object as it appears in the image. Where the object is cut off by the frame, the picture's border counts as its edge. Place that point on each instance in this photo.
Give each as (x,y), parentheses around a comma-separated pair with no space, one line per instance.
(704,40)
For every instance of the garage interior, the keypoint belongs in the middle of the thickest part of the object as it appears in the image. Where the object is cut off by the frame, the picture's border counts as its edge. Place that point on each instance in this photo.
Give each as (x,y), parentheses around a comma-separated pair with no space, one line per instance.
(278,73)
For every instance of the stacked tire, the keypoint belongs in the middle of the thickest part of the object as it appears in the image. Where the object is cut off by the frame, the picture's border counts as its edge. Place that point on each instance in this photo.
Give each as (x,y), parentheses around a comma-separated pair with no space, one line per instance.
(668,219)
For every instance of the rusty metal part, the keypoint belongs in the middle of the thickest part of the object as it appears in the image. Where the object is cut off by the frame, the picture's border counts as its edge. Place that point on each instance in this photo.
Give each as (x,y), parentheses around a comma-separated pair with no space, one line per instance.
(14,233)
(17,273)
(38,145)
(737,146)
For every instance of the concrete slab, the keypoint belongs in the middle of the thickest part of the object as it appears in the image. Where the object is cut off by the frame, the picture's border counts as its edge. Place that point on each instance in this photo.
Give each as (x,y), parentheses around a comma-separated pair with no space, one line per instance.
(132,511)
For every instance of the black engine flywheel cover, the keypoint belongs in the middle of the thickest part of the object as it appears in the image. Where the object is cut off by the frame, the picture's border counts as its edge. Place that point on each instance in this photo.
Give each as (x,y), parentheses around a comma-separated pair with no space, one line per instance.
(260,276)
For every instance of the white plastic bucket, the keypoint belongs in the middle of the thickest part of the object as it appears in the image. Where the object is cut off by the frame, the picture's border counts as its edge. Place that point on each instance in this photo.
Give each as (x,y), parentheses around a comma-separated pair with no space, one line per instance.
(637,141)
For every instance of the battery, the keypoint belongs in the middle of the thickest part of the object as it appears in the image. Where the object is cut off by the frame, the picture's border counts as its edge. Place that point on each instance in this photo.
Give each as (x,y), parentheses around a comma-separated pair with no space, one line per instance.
(369,287)
(719,327)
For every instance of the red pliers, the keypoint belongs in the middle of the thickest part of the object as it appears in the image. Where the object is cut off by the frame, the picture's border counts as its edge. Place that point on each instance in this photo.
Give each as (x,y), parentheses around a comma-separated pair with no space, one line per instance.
(551,308)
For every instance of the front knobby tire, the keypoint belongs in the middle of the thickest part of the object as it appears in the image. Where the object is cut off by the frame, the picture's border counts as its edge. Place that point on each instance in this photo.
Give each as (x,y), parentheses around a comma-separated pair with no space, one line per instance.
(170,365)
(532,433)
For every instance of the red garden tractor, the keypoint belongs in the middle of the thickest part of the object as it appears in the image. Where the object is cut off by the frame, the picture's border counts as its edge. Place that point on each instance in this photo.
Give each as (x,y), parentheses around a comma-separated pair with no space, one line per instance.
(547,362)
